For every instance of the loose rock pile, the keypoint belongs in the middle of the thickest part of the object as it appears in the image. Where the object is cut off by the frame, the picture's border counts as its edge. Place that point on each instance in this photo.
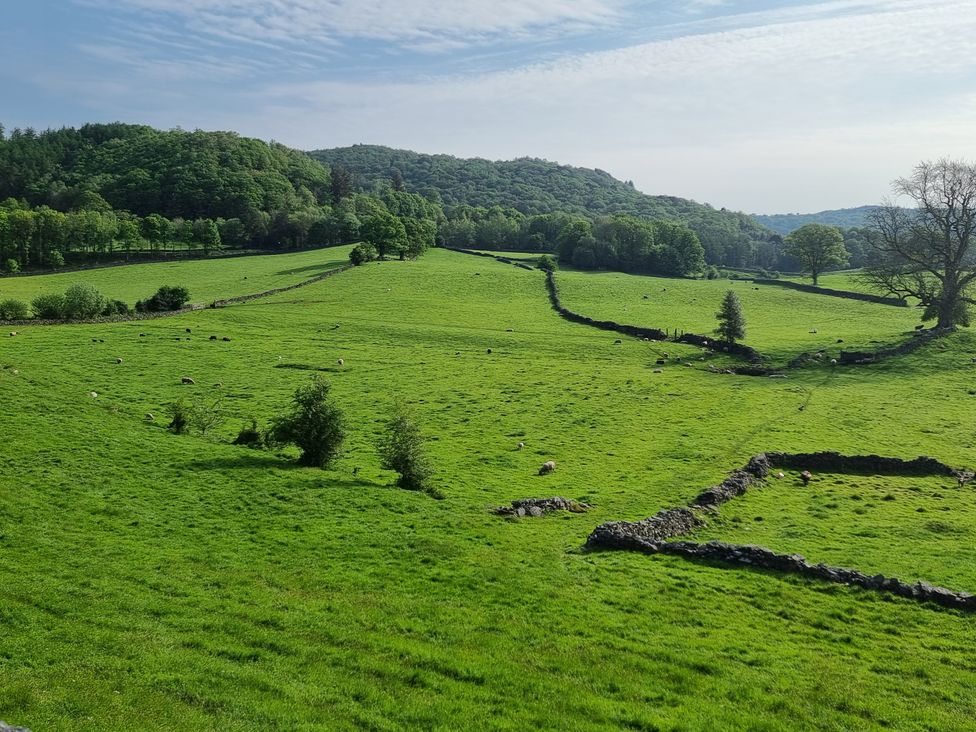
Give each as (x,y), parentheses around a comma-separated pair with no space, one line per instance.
(540,506)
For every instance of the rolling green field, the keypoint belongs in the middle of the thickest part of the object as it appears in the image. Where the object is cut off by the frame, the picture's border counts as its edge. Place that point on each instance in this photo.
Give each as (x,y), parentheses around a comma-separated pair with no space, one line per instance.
(208,279)
(153,581)
(779,322)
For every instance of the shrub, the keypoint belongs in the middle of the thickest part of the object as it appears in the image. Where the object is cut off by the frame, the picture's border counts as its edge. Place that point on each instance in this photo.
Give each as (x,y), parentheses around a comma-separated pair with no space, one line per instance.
(115,307)
(82,301)
(250,435)
(48,307)
(14,310)
(179,412)
(204,416)
(711,272)
(54,259)
(315,425)
(167,297)
(547,263)
(362,253)
(402,449)
(11,266)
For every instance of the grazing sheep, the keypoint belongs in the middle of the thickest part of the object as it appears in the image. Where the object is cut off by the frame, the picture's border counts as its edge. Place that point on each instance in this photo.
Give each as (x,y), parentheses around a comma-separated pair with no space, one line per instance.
(93,394)
(13,333)
(833,362)
(547,467)
(118,360)
(187,380)
(341,362)
(150,417)
(805,476)
(780,475)
(521,445)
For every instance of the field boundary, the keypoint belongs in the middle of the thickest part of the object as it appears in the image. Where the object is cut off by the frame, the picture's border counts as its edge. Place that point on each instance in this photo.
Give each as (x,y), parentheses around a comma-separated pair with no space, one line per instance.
(651,535)
(848,294)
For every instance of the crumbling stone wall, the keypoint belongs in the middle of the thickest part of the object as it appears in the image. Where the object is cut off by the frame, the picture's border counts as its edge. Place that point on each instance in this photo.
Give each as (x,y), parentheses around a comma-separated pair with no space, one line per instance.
(652,535)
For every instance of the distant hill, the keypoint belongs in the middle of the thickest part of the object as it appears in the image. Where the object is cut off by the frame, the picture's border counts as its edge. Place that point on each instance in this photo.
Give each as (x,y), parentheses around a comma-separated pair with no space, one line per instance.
(845,218)
(535,186)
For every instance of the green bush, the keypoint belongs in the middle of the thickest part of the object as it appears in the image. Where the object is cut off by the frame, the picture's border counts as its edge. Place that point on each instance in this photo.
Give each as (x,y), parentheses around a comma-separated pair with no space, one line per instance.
(250,435)
(179,412)
(711,272)
(82,302)
(116,307)
(54,259)
(362,253)
(314,425)
(48,307)
(14,310)
(402,449)
(167,297)
(548,263)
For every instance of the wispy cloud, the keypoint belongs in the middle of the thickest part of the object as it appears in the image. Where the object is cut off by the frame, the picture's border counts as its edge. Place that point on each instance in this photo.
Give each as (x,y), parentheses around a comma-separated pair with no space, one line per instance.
(436,23)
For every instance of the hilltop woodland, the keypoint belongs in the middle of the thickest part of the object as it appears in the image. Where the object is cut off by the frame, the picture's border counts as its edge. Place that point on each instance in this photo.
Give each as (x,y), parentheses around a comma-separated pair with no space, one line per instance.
(115,190)
(118,191)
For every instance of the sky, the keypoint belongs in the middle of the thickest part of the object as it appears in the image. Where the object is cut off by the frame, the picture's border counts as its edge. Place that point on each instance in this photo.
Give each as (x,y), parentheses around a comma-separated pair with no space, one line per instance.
(765,107)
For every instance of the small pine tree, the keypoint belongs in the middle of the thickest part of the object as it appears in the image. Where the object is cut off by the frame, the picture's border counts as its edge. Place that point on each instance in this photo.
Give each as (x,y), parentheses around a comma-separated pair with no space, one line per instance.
(402,449)
(731,324)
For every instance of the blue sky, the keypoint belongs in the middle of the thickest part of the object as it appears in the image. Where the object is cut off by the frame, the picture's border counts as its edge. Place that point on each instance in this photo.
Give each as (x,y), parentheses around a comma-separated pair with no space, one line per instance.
(759,106)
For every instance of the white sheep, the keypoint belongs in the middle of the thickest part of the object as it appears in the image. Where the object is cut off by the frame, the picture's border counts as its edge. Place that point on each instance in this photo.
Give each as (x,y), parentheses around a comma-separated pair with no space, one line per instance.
(93,394)
(521,446)
(187,380)
(547,467)
(341,362)
(118,360)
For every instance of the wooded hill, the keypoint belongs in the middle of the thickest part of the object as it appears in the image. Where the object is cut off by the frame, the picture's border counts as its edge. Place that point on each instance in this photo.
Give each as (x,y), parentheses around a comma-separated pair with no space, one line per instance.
(843,218)
(535,186)
(174,173)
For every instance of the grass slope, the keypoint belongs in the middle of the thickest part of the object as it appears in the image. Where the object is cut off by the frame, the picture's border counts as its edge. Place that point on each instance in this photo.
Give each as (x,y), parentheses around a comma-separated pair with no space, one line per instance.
(778,321)
(155,581)
(208,279)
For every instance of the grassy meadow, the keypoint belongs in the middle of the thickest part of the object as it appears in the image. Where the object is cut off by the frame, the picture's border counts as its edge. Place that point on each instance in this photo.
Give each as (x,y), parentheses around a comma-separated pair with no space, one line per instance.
(153,581)
(207,279)
(780,323)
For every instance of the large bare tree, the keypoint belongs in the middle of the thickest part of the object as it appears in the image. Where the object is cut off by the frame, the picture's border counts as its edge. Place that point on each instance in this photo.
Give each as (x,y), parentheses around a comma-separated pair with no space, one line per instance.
(929,252)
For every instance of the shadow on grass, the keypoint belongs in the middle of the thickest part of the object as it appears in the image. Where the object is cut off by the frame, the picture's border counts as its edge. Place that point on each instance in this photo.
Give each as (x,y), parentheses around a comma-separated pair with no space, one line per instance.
(312,269)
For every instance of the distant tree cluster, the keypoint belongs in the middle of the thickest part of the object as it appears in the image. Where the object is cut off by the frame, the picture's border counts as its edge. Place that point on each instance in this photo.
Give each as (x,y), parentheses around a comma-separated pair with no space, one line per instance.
(72,194)
(533,187)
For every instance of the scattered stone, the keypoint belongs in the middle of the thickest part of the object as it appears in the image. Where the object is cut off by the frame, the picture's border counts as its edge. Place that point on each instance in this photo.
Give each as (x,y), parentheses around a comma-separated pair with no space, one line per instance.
(617,342)
(521,446)
(226,339)
(213,337)
(188,330)
(540,506)
(187,380)
(341,362)
(806,476)
(4,727)
(118,360)
(150,417)
(658,371)
(489,350)
(93,394)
